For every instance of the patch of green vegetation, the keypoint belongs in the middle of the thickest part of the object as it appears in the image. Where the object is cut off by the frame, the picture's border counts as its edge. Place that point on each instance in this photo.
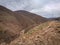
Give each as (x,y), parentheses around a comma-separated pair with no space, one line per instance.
(44,25)
(17,44)
(39,27)
(31,31)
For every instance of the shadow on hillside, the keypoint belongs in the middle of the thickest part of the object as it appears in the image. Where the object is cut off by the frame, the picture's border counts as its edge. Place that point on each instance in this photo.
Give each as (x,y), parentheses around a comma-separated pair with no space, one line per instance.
(6,37)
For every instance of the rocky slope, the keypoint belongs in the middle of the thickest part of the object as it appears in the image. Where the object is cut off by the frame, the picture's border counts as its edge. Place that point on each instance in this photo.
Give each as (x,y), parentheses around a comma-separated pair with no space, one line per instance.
(45,34)
(11,24)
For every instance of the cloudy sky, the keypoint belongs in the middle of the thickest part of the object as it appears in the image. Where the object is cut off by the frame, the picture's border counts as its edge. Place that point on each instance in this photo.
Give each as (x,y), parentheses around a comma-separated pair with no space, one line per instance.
(46,8)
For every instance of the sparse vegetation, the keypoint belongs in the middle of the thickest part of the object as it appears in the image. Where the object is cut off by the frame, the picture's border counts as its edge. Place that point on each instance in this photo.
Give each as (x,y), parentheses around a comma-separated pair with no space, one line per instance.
(39,27)
(38,32)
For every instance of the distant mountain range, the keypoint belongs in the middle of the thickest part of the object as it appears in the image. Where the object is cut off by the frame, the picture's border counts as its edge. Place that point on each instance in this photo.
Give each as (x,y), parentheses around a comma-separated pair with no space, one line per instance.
(22,26)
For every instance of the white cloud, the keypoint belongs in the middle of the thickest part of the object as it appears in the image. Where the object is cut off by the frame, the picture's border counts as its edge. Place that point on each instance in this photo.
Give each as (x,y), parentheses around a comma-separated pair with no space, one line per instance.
(46,8)
(51,7)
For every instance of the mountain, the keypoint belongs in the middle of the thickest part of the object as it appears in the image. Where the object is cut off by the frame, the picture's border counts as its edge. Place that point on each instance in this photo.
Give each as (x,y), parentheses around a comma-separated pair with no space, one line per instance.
(12,23)
(58,18)
(29,19)
(25,28)
(37,19)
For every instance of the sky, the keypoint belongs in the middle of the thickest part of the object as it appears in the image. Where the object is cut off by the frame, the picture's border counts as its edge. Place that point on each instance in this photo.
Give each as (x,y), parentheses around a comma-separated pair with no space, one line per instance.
(45,8)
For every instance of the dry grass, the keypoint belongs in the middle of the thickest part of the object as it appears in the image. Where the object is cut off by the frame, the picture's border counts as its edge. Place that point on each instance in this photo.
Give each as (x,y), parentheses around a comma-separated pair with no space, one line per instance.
(50,35)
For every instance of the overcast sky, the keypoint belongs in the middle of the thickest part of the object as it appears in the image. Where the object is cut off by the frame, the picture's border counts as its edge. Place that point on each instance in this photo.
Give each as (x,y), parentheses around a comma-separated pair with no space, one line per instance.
(46,8)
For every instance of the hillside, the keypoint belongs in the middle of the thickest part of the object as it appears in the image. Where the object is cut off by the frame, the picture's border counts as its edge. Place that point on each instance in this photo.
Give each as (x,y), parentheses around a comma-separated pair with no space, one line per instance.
(47,33)
(12,23)
(37,19)
(29,20)
(9,26)
(25,28)
(58,18)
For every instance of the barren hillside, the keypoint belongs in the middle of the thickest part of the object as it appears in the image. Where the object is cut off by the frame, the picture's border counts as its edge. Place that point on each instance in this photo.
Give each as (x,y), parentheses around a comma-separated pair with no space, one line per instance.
(12,23)
(9,26)
(36,18)
(25,28)
(45,34)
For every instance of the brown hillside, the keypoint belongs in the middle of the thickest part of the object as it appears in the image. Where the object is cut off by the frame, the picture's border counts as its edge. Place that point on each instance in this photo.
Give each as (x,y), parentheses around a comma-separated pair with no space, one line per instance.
(9,26)
(29,20)
(47,33)
(36,18)
(11,23)
(40,31)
